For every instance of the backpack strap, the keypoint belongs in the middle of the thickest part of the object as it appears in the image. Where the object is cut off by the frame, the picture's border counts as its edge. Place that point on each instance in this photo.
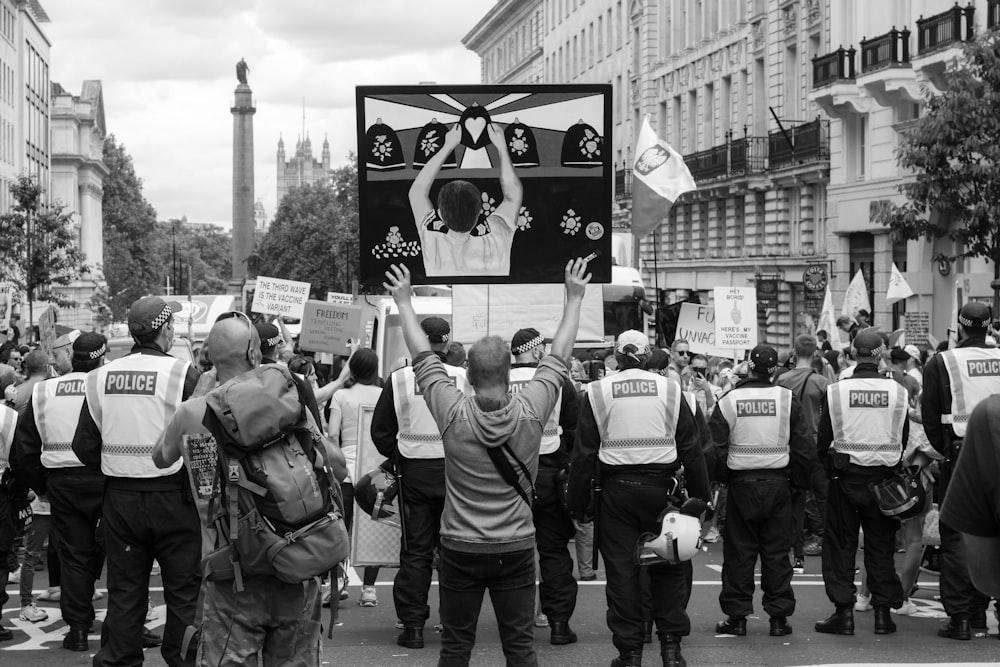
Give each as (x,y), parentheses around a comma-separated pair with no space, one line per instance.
(230,479)
(507,472)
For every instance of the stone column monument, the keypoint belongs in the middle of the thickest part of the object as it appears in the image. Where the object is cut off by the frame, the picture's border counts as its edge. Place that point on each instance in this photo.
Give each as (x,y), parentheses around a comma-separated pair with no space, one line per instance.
(243,195)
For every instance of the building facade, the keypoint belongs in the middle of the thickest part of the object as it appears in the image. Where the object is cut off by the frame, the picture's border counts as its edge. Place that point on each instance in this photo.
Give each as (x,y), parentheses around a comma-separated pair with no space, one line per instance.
(302,168)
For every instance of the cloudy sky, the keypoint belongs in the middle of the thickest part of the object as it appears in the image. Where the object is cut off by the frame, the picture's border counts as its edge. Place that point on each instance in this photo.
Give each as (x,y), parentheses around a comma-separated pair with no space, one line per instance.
(168,71)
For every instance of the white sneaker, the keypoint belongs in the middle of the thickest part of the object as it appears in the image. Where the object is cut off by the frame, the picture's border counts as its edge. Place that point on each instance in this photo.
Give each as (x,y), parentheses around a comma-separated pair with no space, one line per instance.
(368,598)
(342,587)
(33,614)
(151,613)
(155,570)
(97,595)
(907,609)
(14,577)
(51,595)
(541,621)
(864,603)
(326,594)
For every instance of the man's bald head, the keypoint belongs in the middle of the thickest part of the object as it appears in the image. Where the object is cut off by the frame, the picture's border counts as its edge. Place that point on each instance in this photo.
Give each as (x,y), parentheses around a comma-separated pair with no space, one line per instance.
(227,347)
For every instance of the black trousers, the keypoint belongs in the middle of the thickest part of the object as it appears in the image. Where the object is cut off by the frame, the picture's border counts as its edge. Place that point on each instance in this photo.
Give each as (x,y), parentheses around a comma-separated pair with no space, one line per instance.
(760,522)
(850,506)
(140,526)
(553,530)
(423,498)
(629,507)
(77,497)
(8,559)
(958,595)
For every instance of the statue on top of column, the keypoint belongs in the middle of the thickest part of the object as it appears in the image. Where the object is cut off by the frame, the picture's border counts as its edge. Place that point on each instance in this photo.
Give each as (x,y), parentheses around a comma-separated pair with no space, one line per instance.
(241,70)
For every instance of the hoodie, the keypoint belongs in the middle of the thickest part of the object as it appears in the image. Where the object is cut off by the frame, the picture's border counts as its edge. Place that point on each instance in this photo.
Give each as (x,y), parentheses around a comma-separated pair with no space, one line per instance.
(482,513)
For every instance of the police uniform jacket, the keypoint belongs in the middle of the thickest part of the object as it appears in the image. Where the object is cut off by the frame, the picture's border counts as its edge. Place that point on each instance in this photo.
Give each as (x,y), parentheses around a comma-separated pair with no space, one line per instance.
(88,439)
(587,448)
(8,424)
(863,371)
(936,400)
(560,430)
(758,430)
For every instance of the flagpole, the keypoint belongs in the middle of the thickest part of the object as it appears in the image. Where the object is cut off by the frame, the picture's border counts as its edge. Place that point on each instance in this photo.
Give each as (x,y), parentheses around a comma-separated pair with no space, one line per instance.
(656,283)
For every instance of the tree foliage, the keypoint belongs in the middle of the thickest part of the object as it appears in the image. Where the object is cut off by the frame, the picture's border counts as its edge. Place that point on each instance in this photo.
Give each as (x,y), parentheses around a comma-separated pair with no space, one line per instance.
(203,251)
(314,235)
(954,151)
(40,251)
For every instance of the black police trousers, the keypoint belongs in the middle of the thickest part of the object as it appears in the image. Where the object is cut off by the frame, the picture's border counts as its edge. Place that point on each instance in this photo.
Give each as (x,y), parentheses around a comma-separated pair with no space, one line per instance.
(759,522)
(8,559)
(553,530)
(140,526)
(958,594)
(77,496)
(851,505)
(423,503)
(631,505)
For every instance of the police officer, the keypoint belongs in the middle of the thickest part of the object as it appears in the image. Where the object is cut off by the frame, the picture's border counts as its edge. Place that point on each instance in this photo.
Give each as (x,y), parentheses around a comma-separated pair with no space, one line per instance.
(635,431)
(15,508)
(553,524)
(148,512)
(44,434)
(761,446)
(955,381)
(404,431)
(862,433)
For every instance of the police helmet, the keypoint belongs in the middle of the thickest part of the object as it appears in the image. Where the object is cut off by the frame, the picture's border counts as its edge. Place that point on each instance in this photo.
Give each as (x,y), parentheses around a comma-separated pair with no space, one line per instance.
(679,539)
(376,493)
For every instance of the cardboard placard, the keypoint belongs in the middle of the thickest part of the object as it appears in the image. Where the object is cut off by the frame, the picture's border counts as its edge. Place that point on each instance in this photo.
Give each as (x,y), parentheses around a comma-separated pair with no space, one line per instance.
(736,317)
(326,327)
(201,460)
(276,296)
(340,297)
(918,326)
(696,325)
(373,543)
(500,310)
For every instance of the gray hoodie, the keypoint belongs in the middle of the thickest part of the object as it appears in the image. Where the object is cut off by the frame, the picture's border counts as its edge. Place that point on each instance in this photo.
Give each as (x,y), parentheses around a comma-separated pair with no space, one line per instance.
(482,512)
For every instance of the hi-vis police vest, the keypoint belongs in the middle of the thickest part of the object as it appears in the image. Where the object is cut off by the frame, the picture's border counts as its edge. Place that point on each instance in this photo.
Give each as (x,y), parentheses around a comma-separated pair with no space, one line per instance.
(131,400)
(867,415)
(8,421)
(758,419)
(974,374)
(636,413)
(56,404)
(419,437)
(552,431)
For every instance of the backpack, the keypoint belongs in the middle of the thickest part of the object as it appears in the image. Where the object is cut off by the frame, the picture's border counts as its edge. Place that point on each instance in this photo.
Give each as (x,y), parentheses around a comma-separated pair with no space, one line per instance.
(278,509)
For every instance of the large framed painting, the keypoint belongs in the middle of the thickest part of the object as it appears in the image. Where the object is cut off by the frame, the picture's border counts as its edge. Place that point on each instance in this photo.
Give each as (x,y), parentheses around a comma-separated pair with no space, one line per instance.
(484,184)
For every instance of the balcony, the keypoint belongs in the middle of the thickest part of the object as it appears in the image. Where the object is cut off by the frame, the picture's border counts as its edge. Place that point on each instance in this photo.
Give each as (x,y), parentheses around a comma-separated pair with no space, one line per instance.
(736,157)
(748,156)
(834,67)
(886,73)
(834,83)
(712,163)
(623,185)
(799,144)
(889,50)
(945,29)
(992,14)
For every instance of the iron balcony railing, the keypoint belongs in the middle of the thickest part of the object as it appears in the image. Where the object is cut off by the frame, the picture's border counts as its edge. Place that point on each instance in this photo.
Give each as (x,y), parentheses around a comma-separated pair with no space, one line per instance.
(944,29)
(992,14)
(833,67)
(748,155)
(806,142)
(623,185)
(736,157)
(889,50)
(712,163)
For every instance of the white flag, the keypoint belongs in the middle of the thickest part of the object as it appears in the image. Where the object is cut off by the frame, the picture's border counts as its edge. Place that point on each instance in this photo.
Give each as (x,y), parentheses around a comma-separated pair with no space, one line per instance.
(659,177)
(899,289)
(828,321)
(856,297)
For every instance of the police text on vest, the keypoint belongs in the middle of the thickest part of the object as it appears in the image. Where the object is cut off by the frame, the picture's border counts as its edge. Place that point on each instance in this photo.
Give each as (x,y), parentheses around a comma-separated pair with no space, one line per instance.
(633,388)
(982,367)
(757,407)
(868,399)
(130,382)
(70,388)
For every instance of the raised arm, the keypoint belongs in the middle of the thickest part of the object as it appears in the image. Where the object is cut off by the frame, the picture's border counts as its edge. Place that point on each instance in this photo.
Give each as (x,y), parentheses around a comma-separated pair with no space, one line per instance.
(513,193)
(399,287)
(420,191)
(576,284)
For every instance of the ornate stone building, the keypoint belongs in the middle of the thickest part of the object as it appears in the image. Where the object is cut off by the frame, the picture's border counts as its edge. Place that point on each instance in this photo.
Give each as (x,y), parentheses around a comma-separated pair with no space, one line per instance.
(302,168)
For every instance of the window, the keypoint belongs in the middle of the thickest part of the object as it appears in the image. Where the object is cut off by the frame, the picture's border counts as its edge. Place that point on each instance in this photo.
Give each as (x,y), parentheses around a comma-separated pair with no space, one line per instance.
(759,98)
(611,32)
(618,97)
(661,119)
(600,38)
(691,136)
(792,89)
(725,104)
(858,141)
(794,219)
(708,115)
(619,27)
(675,138)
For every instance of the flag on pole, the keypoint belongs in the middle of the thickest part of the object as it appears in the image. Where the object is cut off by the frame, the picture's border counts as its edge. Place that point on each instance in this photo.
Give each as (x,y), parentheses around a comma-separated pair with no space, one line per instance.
(856,297)
(659,177)
(899,289)
(828,321)
(953,318)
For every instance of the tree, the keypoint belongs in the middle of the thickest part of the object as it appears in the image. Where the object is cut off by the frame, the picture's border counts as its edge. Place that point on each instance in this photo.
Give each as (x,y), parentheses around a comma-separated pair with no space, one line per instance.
(131,266)
(954,151)
(204,252)
(314,236)
(39,253)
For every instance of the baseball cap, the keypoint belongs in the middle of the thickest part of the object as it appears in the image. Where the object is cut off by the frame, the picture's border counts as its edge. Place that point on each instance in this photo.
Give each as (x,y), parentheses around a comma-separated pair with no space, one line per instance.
(913,351)
(898,354)
(269,334)
(635,338)
(869,343)
(89,346)
(524,340)
(150,313)
(437,329)
(763,358)
(974,315)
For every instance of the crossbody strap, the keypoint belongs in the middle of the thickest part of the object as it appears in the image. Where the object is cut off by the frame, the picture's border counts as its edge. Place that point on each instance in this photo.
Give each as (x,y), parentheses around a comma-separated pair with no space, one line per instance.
(509,475)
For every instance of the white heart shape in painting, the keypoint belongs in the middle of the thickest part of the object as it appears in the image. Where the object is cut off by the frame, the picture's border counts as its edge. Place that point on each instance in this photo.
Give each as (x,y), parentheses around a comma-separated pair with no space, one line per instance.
(475,126)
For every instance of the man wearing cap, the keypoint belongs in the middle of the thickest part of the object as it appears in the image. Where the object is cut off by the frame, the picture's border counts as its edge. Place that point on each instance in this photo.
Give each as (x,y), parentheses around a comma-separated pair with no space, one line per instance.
(762,449)
(635,431)
(913,364)
(955,381)
(148,512)
(403,430)
(270,340)
(44,433)
(553,524)
(62,353)
(862,434)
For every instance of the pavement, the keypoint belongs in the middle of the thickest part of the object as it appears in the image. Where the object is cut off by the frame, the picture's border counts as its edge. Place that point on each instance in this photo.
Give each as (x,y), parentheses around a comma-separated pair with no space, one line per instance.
(366,636)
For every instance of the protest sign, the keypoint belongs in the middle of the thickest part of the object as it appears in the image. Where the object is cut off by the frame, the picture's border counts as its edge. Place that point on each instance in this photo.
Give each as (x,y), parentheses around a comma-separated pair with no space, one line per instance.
(326,327)
(696,325)
(500,310)
(340,297)
(918,324)
(276,296)
(736,317)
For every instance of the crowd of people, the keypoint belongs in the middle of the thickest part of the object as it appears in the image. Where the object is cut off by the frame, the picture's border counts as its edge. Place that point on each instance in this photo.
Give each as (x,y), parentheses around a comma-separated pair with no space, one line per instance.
(501,457)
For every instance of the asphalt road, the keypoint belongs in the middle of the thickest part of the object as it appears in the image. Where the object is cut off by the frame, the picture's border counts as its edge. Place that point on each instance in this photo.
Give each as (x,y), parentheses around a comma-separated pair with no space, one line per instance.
(366,636)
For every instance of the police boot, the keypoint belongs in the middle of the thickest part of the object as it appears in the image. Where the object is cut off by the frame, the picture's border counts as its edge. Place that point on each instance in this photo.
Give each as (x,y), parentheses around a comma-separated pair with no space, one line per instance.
(561,633)
(628,659)
(780,627)
(76,640)
(411,638)
(840,622)
(733,625)
(6,634)
(670,651)
(884,625)
(958,627)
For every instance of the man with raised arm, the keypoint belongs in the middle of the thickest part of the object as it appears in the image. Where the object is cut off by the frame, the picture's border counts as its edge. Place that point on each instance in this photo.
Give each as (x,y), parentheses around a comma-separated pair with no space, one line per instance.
(491,444)
(452,244)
